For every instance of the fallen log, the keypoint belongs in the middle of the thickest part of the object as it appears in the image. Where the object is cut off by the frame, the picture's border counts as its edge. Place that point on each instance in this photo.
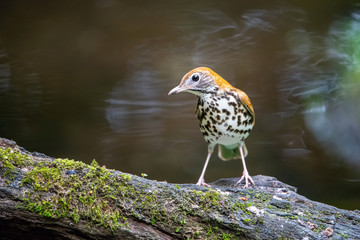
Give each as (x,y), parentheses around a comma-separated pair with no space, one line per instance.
(46,198)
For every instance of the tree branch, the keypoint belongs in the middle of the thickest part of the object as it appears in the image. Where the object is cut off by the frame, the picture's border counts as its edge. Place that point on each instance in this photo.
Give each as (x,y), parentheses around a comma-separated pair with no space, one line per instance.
(46,198)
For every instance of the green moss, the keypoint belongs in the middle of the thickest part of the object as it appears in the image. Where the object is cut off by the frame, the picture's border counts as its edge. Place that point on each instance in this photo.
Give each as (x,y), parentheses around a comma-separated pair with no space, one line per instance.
(216,233)
(263,197)
(270,207)
(344,235)
(246,220)
(16,158)
(240,205)
(209,199)
(83,192)
(71,189)
(10,160)
(44,208)
(227,236)
(319,228)
(8,166)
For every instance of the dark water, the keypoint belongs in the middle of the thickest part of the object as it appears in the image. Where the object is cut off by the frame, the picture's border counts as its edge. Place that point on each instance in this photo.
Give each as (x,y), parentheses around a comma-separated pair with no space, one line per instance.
(89,80)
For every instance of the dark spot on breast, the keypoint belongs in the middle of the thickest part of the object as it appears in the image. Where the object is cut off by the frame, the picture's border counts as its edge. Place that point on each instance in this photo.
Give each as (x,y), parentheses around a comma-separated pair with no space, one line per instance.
(232,104)
(212,120)
(226,112)
(208,126)
(201,115)
(215,130)
(239,120)
(230,128)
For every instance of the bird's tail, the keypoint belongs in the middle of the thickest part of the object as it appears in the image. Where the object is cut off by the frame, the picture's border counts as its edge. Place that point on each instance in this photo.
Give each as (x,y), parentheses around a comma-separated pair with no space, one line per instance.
(231,152)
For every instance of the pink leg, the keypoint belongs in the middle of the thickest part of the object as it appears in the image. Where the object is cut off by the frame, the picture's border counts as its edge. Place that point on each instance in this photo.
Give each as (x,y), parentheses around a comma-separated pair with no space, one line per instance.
(245,175)
(201,181)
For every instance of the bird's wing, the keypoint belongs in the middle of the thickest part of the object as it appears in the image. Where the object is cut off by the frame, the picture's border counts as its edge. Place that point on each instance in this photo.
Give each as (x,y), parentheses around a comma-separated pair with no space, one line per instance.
(246,101)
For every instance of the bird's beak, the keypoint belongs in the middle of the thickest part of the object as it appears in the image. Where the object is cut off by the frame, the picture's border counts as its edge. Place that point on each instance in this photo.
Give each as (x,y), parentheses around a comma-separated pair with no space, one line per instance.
(177,90)
(181,88)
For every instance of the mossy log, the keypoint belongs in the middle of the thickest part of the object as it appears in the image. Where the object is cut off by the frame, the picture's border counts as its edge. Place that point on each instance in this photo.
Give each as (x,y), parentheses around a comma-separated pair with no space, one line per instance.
(47,198)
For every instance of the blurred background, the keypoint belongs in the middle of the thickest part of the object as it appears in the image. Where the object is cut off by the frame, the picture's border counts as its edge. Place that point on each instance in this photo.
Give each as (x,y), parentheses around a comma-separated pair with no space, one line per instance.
(89,80)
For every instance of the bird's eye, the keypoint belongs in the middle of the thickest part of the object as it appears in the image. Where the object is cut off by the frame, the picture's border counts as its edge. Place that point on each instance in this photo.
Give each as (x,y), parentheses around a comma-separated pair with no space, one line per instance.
(195,77)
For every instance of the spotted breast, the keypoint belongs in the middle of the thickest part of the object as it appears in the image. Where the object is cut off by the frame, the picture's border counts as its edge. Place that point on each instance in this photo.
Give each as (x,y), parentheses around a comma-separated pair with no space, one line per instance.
(223,118)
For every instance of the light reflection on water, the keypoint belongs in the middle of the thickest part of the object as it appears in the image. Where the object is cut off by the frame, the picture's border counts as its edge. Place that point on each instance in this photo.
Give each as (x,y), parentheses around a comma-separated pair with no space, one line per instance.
(94,84)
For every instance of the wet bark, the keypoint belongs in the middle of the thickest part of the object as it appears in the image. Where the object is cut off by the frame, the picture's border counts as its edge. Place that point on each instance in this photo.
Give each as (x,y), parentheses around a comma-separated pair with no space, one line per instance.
(122,206)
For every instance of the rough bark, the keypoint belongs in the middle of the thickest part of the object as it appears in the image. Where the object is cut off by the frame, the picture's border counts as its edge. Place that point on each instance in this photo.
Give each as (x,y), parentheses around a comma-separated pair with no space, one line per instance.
(46,198)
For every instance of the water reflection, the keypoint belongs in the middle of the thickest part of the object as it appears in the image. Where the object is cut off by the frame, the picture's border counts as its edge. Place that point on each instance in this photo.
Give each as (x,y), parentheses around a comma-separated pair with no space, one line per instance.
(93,83)
(335,118)
(4,72)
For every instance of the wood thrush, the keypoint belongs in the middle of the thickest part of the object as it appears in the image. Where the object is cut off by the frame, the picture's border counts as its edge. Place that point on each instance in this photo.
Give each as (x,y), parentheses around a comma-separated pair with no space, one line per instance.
(225,113)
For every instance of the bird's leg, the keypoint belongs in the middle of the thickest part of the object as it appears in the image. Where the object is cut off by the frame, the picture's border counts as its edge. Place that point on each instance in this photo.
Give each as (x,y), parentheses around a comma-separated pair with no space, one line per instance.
(201,181)
(245,175)
(245,151)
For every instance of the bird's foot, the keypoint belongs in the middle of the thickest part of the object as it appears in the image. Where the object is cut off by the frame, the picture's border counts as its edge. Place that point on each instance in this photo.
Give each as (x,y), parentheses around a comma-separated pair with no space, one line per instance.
(246,177)
(202,182)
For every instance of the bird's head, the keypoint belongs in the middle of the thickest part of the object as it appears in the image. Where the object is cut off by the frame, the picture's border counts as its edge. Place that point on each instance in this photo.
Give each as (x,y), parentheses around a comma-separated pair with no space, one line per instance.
(199,81)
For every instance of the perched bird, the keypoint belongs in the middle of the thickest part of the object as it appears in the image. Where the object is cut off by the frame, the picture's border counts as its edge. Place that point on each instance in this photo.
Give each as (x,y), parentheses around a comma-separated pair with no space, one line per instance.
(225,113)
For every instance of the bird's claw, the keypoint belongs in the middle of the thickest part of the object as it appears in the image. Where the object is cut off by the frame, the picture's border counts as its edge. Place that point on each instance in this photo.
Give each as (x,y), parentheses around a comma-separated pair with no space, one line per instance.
(246,177)
(202,182)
